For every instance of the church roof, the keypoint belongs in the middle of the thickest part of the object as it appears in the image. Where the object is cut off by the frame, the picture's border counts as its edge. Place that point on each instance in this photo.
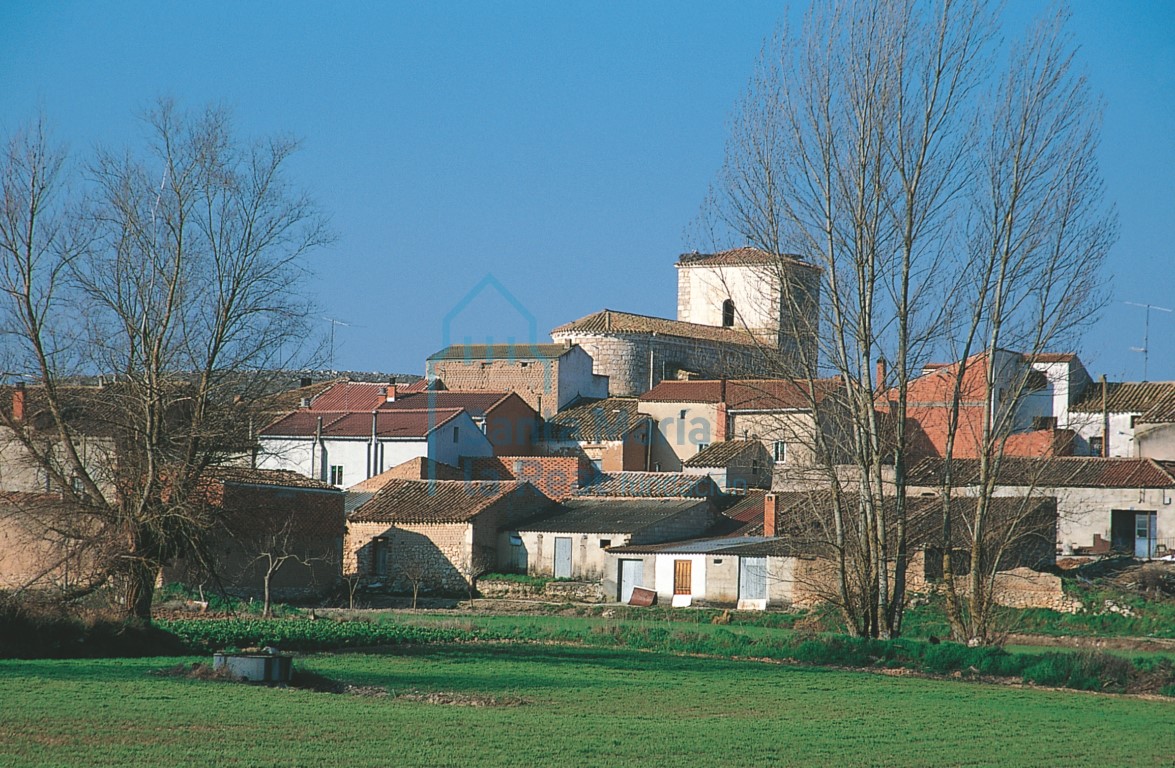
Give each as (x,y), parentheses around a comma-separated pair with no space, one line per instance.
(517,351)
(745,256)
(609,321)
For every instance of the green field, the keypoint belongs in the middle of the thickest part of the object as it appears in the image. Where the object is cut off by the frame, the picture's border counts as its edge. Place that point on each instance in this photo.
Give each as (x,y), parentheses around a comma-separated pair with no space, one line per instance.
(579,706)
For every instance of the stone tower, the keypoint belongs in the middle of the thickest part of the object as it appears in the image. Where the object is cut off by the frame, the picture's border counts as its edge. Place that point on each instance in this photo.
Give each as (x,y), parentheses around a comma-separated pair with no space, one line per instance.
(776,298)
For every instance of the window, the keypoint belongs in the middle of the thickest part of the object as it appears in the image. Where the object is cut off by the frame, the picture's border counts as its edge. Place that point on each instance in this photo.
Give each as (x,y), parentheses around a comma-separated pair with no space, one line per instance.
(1096,446)
(779,451)
(727,314)
(456,433)
(605,543)
(336,474)
(1132,420)
(681,415)
(755,467)
(702,447)
(76,483)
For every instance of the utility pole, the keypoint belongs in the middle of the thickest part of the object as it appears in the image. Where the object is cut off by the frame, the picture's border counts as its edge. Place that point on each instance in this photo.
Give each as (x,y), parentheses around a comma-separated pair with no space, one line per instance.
(333,323)
(1146,334)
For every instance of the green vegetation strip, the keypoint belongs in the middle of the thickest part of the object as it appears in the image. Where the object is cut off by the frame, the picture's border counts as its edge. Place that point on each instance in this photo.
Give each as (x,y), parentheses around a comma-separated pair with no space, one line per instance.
(582,707)
(1091,671)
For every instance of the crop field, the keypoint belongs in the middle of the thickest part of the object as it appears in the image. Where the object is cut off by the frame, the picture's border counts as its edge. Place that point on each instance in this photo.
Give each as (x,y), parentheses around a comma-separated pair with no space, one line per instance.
(500,704)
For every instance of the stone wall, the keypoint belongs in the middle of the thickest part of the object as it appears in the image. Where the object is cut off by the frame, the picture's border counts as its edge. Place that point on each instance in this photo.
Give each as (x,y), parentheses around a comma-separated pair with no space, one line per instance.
(557,591)
(625,357)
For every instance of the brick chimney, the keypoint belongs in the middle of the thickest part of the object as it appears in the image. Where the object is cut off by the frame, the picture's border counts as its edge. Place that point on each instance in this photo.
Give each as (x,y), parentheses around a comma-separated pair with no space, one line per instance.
(769,510)
(721,419)
(18,395)
(880,383)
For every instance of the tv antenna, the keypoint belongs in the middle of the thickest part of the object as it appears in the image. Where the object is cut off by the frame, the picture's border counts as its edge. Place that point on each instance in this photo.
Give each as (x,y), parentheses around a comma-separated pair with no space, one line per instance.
(333,322)
(1146,333)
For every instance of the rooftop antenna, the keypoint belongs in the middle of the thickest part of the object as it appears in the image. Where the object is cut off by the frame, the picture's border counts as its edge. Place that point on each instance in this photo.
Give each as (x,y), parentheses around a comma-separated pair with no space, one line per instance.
(1146,333)
(333,322)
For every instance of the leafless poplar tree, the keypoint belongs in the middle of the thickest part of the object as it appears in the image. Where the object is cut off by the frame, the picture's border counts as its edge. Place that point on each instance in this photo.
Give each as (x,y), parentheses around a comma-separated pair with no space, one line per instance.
(867,145)
(176,275)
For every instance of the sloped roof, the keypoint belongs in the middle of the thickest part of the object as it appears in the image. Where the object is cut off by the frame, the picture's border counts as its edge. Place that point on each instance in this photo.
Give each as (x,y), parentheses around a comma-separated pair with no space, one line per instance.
(1129,397)
(709,545)
(745,256)
(746,394)
(277,477)
(475,403)
(406,424)
(1050,357)
(598,420)
(650,485)
(351,396)
(608,515)
(419,468)
(726,453)
(610,321)
(521,351)
(445,501)
(1059,472)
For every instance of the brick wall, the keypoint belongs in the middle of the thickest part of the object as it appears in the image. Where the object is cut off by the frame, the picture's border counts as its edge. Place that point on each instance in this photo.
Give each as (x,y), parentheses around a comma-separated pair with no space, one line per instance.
(535,381)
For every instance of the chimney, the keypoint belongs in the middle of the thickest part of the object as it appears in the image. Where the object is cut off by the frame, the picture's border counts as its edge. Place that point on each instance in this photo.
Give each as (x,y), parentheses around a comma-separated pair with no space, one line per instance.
(305,381)
(721,423)
(881,375)
(18,394)
(769,508)
(390,391)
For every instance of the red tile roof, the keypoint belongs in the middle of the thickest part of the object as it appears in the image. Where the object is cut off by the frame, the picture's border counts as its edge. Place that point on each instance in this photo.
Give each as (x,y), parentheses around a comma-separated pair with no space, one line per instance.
(746,394)
(1128,397)
(476,403)
(351,396)
(1061,472)
(417,423)
(739,257)
(276,477)
(610,321)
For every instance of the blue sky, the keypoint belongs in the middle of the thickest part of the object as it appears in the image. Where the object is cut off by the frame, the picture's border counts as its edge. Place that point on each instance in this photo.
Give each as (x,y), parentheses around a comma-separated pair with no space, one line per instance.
(561,147)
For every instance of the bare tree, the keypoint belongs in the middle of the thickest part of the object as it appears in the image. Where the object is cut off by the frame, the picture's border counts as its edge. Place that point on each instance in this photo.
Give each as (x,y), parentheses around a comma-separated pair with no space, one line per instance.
(177,275)
(278,545)
(866,146)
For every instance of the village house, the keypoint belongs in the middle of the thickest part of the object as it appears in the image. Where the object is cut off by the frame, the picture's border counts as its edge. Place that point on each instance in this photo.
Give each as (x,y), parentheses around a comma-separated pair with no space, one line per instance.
(434,535)
(1103,505)
(609,433)
(734,465)
(548,377)
(273,531)
(787,416)
(1125,419)
(570,540)
(346,447)
(774,559)
(739,312)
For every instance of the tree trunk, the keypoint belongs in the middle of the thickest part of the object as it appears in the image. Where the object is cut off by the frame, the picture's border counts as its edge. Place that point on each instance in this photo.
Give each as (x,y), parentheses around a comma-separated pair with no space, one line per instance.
(139,590)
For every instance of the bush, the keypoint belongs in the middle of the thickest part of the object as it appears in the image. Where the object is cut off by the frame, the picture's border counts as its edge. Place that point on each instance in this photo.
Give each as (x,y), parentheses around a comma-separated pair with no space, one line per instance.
(26,634)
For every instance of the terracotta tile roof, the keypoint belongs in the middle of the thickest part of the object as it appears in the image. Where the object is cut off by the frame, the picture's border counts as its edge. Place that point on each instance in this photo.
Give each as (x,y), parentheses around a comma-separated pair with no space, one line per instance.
(609,515)
(739,257)
(276,477)
(446,501)
(649,485)
(420,385)
(599,420)
(389,424)
(746,394)
(1126,397)
(476,403)
(1162,412)
(1061,472)
(609,321)
(419,468)
(351,396)
(520,351)
(726,453)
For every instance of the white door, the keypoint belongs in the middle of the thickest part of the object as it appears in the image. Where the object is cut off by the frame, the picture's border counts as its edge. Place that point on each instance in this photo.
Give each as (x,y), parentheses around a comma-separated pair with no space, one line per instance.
(562,557)
(632,574)
(1144,534)
(752,582)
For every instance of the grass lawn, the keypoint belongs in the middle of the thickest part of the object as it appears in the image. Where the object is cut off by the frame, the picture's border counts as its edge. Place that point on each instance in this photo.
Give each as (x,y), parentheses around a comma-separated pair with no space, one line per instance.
(583,707)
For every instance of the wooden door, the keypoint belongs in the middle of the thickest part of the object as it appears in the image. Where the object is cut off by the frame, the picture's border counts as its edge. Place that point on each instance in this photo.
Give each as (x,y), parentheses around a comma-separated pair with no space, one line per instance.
(682,577)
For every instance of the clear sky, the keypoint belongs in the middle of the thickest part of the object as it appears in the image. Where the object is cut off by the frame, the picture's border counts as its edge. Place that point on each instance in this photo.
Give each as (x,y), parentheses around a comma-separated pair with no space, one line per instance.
(560,147)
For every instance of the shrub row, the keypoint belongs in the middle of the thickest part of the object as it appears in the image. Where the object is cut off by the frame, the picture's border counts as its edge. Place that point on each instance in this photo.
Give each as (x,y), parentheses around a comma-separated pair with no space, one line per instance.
(29,635)
(1090,671)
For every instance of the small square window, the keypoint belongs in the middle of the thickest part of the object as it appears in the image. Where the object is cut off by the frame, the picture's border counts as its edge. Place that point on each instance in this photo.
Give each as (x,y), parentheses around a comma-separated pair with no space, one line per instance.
(702,447)
(1096,446)
(605,543)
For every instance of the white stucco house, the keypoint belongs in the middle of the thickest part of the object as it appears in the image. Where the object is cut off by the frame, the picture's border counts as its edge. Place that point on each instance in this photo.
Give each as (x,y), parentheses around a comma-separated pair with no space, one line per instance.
(345,448)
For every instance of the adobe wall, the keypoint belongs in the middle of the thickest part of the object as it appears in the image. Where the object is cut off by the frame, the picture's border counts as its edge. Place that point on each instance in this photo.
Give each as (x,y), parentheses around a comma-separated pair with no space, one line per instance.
(437,551)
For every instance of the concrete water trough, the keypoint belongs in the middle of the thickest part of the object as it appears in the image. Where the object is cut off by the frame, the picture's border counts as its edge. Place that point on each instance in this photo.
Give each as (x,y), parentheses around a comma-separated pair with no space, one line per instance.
(255,667)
